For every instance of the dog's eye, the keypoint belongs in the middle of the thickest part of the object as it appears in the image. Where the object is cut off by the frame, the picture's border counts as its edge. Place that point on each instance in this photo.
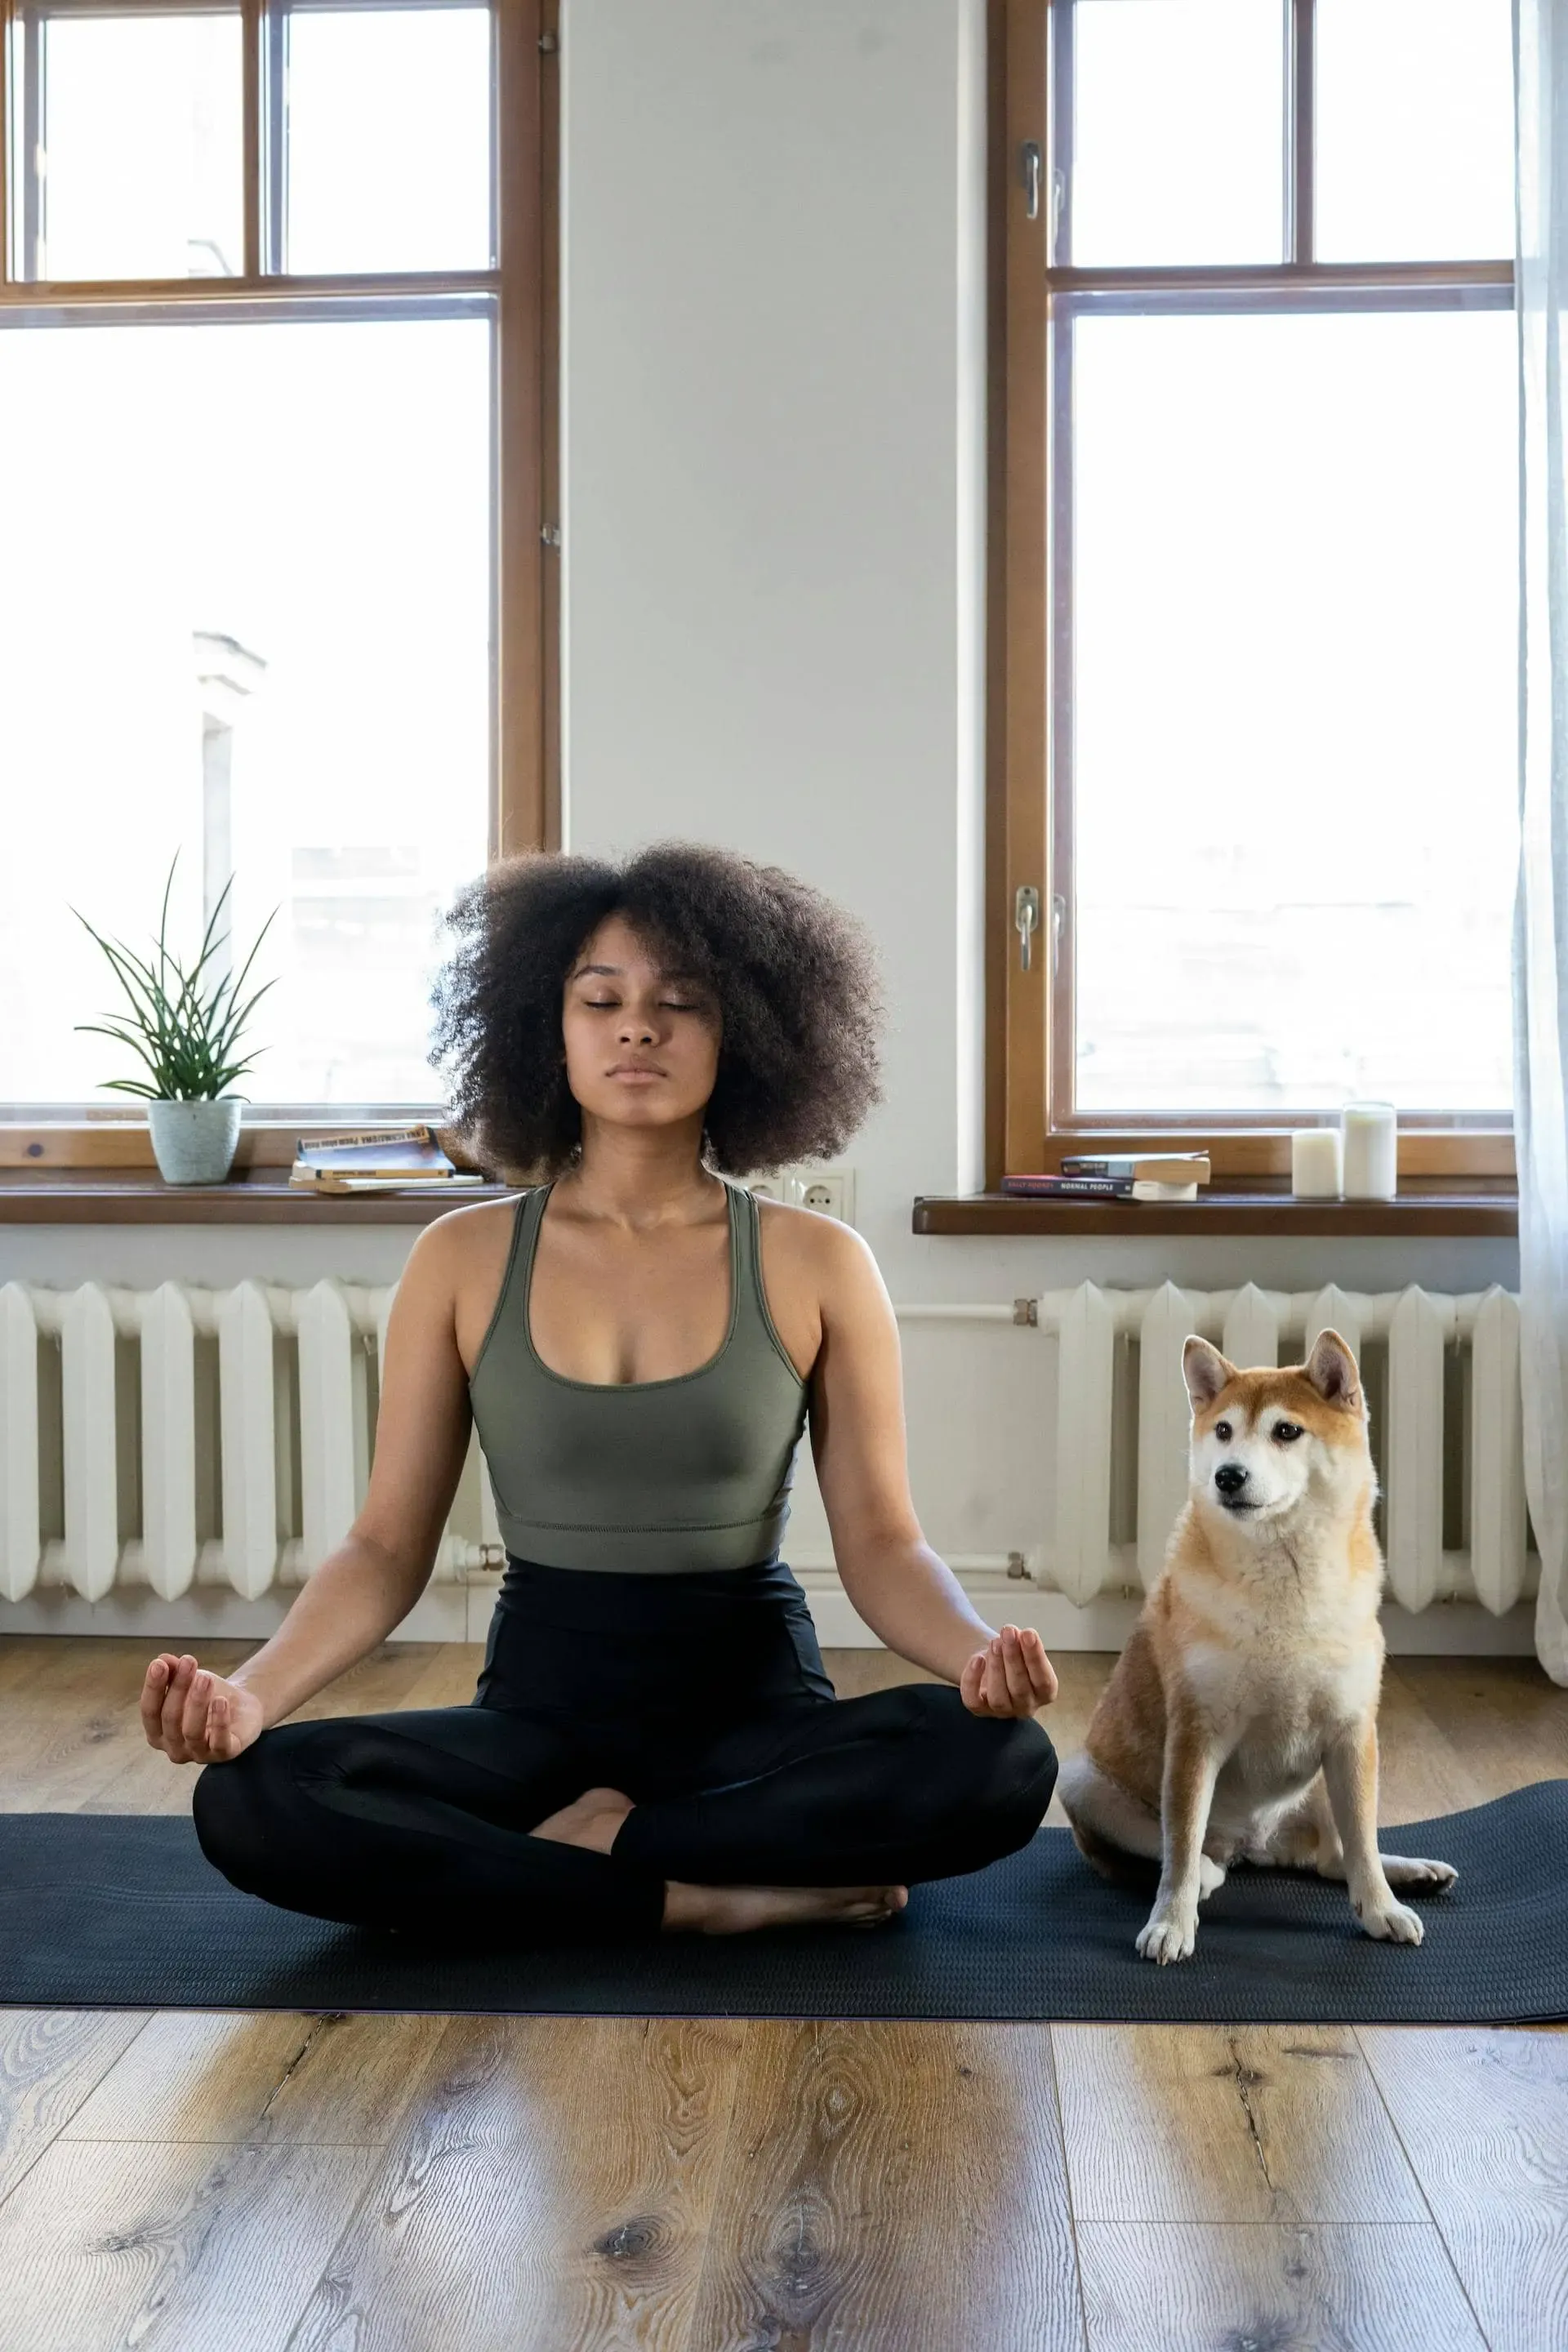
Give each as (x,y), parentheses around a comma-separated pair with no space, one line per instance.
(1222,1430)
(1287,1431)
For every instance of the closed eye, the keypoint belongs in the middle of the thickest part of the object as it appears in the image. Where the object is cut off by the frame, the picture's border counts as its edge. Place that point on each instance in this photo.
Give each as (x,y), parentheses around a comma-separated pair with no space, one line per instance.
(1287,1431)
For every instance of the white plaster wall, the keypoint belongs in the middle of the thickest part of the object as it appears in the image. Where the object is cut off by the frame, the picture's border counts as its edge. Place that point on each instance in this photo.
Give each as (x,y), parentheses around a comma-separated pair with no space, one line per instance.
(774,481)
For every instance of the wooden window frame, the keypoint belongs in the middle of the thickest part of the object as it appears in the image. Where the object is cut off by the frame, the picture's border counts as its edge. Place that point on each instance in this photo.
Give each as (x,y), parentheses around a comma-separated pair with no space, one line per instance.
(1028,1036)
(522,293)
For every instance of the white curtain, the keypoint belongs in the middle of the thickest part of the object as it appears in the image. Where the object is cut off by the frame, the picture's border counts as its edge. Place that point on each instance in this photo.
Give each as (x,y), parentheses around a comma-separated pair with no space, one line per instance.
(1541,927)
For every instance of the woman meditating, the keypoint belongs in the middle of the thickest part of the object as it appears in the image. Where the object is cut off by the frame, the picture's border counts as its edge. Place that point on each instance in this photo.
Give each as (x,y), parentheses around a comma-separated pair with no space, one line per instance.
(653,1742)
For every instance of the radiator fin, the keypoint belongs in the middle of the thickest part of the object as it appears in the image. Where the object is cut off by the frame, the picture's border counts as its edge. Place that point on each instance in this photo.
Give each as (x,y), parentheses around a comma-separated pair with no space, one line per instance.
(168,1442)
(1162,1419)
(20,1499)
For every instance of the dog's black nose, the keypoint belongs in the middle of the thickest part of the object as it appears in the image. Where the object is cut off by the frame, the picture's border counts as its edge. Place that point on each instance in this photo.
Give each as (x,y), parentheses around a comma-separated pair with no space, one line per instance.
(1230,1478)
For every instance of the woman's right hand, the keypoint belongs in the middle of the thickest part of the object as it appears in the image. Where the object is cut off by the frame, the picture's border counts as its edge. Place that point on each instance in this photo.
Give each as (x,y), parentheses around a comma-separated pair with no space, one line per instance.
(194,1716)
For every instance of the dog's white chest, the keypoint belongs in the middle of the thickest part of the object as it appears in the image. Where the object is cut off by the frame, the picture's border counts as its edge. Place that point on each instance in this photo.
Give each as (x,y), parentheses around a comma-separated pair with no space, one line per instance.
(1274,1701)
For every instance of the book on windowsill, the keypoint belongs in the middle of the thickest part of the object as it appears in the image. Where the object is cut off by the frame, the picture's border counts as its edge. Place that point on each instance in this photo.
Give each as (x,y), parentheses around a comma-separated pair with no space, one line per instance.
(393,1160)
(1142,1166)
(1096,1188)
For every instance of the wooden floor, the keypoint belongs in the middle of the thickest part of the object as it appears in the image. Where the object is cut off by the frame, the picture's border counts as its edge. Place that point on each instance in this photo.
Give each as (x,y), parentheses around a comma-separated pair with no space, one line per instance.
(211,2182)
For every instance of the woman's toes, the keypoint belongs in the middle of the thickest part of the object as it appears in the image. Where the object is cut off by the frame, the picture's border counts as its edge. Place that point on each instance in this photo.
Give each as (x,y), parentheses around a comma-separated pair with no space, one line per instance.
(881,1903)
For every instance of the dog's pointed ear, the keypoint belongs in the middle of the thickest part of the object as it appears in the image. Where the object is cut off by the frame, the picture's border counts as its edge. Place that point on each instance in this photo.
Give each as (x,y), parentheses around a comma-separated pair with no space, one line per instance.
(1333,1371)
(1206,1371)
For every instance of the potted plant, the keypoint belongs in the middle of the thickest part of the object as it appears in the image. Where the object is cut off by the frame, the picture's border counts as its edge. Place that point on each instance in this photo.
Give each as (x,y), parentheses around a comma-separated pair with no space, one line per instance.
(184,1030)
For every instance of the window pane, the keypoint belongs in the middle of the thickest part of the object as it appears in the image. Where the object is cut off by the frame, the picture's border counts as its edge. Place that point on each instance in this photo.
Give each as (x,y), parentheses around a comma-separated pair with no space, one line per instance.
(243,614)
(141,122)
(389,139)
(1415,131)
(1294,781)
(1178,132)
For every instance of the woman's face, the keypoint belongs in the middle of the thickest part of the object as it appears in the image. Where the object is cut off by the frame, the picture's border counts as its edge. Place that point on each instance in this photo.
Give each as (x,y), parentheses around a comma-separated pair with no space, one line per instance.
(642,1043)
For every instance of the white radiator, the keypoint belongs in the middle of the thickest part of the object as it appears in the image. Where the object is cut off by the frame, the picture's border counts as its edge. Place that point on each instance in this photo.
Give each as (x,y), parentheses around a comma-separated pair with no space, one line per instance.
(182,1437)
(116,1467)
(1442,1375)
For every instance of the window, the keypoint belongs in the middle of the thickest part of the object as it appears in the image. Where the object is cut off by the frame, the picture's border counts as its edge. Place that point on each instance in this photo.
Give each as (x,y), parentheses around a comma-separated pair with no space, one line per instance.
(1255,555)
(274,592)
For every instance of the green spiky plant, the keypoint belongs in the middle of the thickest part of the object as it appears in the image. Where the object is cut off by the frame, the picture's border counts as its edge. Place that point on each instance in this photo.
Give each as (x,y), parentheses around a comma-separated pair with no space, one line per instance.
(184,1032)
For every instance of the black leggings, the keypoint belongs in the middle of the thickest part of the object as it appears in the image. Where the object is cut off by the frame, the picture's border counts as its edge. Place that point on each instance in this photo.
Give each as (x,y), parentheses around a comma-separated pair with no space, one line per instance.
(701,1696)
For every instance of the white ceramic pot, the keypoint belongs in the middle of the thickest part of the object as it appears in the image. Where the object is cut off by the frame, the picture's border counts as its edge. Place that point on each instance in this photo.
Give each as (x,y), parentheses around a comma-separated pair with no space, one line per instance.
(193,1142)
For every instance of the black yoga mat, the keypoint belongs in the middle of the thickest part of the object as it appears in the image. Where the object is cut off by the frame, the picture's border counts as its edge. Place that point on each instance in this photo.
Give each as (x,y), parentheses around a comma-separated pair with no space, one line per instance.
(113,1910)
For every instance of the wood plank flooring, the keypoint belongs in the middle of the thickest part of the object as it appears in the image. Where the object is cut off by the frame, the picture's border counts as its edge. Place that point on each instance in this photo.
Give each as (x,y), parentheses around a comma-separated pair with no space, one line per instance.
(285,2183)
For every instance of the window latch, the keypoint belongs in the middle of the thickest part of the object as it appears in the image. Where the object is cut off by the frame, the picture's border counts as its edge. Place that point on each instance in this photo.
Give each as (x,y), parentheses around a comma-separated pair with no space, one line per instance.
(1025,921)
(1029,163)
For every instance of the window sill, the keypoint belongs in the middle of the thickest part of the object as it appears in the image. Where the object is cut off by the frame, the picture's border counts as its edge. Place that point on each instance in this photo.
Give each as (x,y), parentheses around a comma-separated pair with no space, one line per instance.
(256,1196)
(1478,1209)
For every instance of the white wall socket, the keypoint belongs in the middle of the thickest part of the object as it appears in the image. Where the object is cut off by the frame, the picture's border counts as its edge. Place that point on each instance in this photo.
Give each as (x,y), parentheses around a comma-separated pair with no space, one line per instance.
(830,1191)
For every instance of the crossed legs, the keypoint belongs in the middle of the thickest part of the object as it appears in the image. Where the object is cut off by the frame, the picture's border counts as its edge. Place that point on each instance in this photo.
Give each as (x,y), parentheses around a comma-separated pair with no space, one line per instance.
(431,1820)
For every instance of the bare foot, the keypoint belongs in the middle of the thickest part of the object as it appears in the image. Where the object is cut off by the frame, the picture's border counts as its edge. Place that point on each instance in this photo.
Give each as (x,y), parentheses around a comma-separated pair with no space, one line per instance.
(594,1819)
(591,1820)
(733,1910)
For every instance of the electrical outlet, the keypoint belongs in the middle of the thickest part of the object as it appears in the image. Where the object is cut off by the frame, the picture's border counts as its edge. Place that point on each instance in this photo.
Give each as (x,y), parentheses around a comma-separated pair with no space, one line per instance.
(768,1187)
(830,1191)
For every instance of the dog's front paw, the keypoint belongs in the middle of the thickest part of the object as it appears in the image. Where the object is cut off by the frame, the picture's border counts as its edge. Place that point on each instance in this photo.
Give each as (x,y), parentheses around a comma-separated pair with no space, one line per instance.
(1391,1923)
(1169,1934)
(1400,1870)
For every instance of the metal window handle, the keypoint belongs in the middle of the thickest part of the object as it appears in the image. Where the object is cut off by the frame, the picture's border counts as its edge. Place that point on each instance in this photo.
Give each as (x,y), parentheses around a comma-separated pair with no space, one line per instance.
(1025,921)
(1029,161)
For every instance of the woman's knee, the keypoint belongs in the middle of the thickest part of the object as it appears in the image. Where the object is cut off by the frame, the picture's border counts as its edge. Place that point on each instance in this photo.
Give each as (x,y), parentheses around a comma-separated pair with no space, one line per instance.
(1000,1767)
(244,1812)
(979,1762)
(1016,1764)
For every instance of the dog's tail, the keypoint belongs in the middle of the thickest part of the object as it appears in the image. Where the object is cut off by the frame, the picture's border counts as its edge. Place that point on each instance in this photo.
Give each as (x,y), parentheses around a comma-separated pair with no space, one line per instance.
(1138,1870)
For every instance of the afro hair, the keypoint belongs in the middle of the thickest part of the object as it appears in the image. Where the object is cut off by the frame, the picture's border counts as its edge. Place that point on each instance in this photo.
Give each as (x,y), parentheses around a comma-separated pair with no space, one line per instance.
(796,977)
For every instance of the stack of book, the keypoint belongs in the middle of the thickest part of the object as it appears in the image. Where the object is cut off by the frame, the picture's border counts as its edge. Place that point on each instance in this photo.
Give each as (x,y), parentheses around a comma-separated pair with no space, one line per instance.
(1119,1176)
(392,1160)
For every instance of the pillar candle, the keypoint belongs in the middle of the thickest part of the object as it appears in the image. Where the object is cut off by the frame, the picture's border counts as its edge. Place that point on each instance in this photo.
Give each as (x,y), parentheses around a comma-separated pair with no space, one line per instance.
(1315,1163)
(1370,1131)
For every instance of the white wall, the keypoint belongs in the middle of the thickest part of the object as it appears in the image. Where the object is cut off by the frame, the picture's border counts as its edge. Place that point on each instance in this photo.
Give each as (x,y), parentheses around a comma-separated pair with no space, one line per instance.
(774,491)
(773,353)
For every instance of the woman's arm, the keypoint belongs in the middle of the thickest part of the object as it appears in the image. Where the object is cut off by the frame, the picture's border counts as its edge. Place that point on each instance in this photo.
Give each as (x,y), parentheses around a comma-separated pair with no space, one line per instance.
(905,1592)
(371,1582)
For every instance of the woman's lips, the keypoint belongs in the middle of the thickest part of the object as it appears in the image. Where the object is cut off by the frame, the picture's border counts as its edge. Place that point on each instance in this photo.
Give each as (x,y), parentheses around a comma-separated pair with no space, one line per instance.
(637,1078)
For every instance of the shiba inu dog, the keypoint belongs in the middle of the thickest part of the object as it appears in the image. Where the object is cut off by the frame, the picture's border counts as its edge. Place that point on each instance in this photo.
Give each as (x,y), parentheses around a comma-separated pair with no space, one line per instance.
(1240,1722)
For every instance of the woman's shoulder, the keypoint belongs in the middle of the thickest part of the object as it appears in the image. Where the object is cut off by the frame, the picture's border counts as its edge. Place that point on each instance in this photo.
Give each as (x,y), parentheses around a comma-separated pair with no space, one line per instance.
(464,1242)
(815,1253)
(459,1264)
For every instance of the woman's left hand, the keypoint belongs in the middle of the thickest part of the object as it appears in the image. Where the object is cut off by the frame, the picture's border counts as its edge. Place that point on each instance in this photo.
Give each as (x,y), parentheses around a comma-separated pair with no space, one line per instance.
(1011,1676)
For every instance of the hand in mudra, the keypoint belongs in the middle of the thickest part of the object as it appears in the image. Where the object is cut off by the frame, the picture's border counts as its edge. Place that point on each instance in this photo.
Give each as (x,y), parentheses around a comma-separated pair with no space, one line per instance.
(194,1716)
(1011,1676)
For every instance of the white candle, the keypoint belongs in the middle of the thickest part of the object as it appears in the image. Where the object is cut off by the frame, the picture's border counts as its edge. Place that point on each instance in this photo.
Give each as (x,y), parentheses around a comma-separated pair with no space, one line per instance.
(1370,1131)
(1315,1163)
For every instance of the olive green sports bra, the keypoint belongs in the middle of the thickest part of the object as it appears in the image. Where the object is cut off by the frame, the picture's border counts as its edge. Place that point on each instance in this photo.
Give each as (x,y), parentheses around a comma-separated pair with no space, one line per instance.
(649,1476)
